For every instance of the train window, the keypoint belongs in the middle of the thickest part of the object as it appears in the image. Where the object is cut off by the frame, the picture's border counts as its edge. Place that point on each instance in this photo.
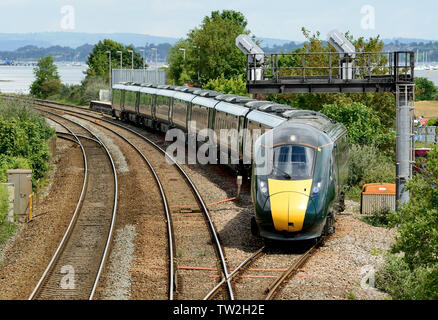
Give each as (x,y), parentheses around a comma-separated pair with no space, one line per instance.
(163,107)
(145,105)
(117,95)
(200,116)
(293,162)
(180,112)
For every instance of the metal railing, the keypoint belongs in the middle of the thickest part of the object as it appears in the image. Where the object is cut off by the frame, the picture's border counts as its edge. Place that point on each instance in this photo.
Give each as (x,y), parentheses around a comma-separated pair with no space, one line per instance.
(156,76)
(332,66)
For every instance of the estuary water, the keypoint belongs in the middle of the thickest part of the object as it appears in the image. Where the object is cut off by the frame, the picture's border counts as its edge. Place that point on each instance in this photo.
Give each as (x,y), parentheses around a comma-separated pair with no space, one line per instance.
(17,79)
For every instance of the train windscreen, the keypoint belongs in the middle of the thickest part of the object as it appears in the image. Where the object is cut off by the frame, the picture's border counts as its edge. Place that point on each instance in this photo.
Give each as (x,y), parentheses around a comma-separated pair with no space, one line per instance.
(292,162)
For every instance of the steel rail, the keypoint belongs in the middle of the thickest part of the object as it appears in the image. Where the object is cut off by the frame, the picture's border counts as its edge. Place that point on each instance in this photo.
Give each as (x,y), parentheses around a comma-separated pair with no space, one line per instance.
(72,221)
(166,208)
(245,263)
(273,288)
(113,216)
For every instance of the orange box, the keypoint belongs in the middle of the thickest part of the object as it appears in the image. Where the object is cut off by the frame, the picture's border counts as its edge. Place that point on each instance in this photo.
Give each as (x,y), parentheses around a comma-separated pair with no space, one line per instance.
(377,197)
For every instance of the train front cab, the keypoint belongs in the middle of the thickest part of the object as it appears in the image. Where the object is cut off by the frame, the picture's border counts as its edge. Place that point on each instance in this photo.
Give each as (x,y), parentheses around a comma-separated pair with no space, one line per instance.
(292,186)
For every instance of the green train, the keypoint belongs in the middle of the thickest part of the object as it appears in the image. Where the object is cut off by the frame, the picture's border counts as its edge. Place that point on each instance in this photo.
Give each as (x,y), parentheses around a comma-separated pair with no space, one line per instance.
(298,163)
(298,197)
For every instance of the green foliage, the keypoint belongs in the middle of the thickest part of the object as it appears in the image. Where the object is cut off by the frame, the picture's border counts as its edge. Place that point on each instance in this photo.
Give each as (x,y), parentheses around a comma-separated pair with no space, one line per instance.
(413,273)
(210,50)
(23,136)
(432,122)
(367,165)
(363,124)
(418,219)
(231,86)
(82,94)
(380,218)
(402,283)
(47,80)
(98,63)
(424,89)
(4,203)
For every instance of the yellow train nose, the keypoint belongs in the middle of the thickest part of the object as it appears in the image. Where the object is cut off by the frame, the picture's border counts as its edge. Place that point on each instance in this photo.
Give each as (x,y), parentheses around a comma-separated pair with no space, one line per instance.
(289,199)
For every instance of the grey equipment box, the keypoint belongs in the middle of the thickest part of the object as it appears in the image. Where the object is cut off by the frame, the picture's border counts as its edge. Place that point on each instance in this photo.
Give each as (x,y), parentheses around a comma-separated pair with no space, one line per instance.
(22,180)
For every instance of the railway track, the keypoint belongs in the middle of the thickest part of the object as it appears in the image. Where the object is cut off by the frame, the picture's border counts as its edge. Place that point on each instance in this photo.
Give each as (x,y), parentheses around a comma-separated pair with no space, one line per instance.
(185,213)
(264,291)
(228,280)
(75,268)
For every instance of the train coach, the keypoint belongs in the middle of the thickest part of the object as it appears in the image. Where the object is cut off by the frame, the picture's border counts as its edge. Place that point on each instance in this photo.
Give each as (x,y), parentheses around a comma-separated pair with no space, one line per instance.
(299,188)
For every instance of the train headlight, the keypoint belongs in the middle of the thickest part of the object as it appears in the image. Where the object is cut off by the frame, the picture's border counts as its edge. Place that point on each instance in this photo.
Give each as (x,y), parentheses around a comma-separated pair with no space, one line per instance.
(263,187)
(316,189)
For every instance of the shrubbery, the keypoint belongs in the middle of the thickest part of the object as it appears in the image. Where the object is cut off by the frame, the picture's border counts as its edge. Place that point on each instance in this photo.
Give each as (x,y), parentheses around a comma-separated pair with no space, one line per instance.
(424,89)
(4,203)
(367,164)
(402,283)
(231,86)
(363,123)
(23,136)
(47,80)
(413,273)
(81,94)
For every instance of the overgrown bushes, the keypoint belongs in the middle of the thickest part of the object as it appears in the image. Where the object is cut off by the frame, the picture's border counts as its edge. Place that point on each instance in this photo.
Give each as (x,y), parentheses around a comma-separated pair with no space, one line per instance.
(235,85)
(23,140)
(363,123)
(367,164)
(403,283)
(411,270)
(81,94)
(4,203)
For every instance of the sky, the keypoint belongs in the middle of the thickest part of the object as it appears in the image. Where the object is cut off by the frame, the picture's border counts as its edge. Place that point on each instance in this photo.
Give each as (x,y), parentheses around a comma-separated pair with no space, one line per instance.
(280,19)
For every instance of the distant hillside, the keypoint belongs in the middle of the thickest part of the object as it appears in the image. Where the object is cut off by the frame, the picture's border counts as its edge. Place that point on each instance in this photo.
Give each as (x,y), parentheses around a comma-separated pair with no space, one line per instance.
(59,53)
(13,41)
(75,46)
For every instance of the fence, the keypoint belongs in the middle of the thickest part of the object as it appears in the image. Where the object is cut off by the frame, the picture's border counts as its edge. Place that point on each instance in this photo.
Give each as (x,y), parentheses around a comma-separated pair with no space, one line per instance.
(154,76)
(426,134)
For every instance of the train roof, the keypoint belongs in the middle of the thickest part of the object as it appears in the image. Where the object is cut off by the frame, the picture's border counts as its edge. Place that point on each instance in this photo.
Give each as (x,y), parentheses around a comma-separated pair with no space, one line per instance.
(267,119)
(234,109)
(206,102)
(232,98)
(185,96)
(265,112)
(315,119)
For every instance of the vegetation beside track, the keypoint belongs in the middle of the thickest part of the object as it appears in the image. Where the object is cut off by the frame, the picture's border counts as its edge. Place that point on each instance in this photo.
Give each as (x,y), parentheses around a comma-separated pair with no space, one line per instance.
(411,269)
(23,139)
(23,144)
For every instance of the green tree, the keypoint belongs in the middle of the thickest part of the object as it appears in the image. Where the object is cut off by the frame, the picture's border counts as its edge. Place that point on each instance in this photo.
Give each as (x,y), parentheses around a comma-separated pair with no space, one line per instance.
(425,89)
(411,271)
(210,49)
(362,122)
(232,86)
(98,64)
(418,219)
(47,82)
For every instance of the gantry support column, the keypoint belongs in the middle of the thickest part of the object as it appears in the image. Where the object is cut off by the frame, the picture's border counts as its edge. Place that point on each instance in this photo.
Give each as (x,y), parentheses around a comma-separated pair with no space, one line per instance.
(405,97)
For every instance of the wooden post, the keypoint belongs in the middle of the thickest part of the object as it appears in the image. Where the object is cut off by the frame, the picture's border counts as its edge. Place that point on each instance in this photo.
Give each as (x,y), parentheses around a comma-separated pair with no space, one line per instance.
(30,207)
(38,193)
